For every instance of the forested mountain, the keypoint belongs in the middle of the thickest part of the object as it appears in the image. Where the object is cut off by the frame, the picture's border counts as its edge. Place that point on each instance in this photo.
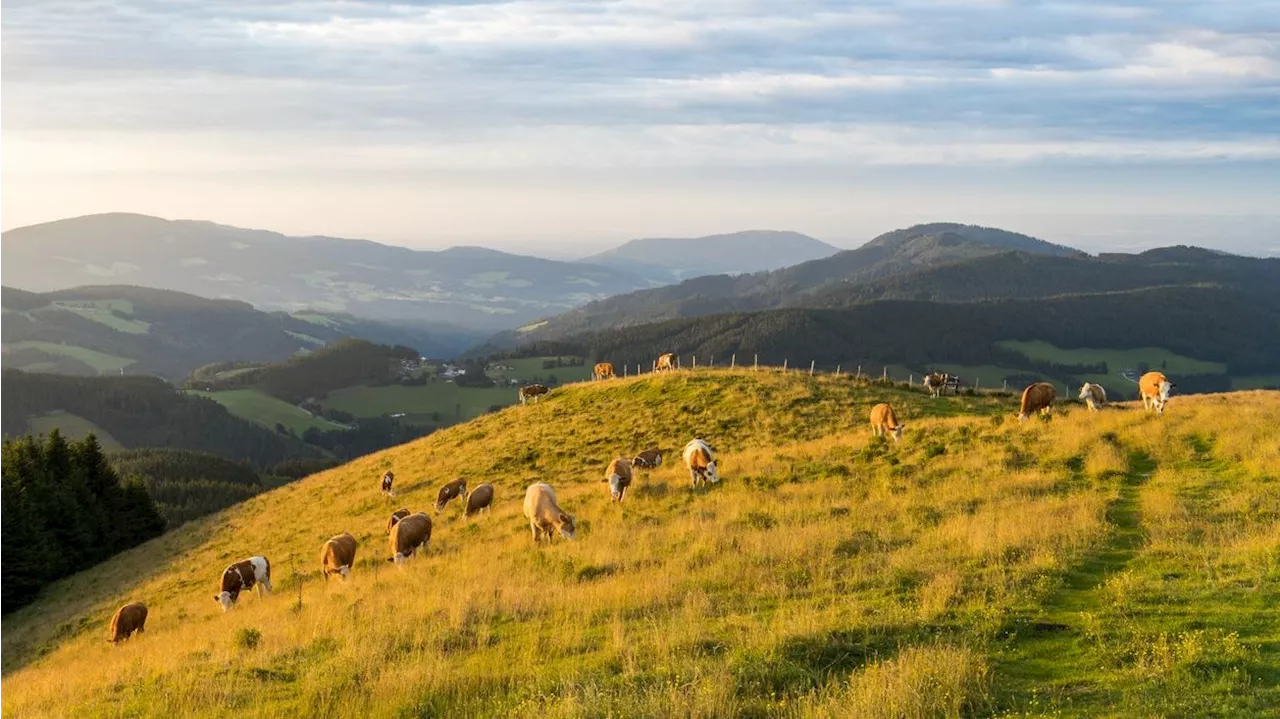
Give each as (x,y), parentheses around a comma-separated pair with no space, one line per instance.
(472,287)
(893,253)
(144,412)
(64,509)
(667,260)
(186,484)
(137,330)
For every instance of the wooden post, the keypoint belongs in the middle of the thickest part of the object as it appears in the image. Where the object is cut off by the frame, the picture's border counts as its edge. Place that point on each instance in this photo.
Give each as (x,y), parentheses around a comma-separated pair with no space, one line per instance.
(911,380)
(837,370)
(784,366)
(711,362)
(755,364)
(885,374)
(695,361)
(859,375)
(1006,385)
(977,381)
(811,364)
(733,361)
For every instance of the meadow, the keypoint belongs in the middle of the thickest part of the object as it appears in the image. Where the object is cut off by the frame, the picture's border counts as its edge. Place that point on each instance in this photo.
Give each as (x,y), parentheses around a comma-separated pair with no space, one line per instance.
(99,361)
(1116,359)
(72,426)
(266,410)
(1110,564)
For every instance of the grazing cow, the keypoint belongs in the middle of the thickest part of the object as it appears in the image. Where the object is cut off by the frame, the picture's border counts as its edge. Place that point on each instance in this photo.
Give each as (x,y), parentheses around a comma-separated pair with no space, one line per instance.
(603,370)
(396,516)
(452,490)
(1154,388)
(934,382)
(884,420)
(409,533)
(338,555)
(666,362)
(481,498)
(243,576)
(128,619)
(532,391)
(618,475)
(387,479)
(544,514)
(648,459)
(1037,397)
(701,462)
(1093,395)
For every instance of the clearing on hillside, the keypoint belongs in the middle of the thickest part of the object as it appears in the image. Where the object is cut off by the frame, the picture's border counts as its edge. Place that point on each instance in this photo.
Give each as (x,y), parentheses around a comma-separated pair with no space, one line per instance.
(1109,564)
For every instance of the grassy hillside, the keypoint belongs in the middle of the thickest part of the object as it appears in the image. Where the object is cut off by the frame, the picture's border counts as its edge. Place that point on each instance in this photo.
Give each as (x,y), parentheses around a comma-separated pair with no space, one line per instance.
(1112,564)
(255,406)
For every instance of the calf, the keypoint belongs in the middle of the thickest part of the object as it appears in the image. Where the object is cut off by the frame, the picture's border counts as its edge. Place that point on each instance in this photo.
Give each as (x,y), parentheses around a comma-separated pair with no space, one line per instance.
(387,479)
(338,555)
(243,576)
(451,491)
(648,459)
(396,516)
(1154,388)
(1093,395)
(1037,397)
(701,462)
(603,370)
(128,619)
(666,362)
(544,514)
(409,533)
(532,392)
(618,475)
(883,420)
(480,499)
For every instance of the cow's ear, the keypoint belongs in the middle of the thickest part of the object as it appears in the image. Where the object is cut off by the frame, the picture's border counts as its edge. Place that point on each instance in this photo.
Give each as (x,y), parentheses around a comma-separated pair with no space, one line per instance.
(564,518)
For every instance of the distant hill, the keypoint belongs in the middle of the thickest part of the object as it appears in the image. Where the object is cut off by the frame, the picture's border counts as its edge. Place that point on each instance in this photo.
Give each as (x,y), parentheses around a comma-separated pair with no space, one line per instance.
(479,289)
(901,251)
(667,260)
(97,330)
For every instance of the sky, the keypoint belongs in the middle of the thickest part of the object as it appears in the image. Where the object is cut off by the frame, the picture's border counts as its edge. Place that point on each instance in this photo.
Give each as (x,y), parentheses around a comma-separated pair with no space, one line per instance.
(558,127)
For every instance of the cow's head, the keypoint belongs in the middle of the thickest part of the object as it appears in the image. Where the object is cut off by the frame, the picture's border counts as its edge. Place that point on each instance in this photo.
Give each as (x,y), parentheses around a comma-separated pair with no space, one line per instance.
(1165,387)
(713,475)
(897,432)
(1084,390)
(226,599)
(616,486)
(566,526)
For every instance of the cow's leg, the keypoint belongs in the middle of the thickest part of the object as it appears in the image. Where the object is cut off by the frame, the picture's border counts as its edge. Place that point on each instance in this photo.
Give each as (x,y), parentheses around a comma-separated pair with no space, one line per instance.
(534,526)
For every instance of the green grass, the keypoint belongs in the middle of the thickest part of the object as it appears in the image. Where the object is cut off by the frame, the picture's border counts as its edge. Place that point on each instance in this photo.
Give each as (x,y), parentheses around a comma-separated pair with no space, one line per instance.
(531,367)
(266,410)
(103,312)
(316,319)
(99,361)
(1256,382)
(1116,359)
(73,427)
(419,402)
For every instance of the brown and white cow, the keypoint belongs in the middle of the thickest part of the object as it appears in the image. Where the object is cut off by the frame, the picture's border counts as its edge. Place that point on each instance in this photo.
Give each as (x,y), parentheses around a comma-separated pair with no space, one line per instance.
(666,362)
(619,476)
(934,382)
(409,533)
(883,421)
(481,498)
(387,479)
(128,619)
(701,462)
(1037,397)
(451,491)
(1093,395)
(532,392)
(648,459)
(544,513)
(338,556)
(396,516)
(243,576)
(603,370)
(1154,388)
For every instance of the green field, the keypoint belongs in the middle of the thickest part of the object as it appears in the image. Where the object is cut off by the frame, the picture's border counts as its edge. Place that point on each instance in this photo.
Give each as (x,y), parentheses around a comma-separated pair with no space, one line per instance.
(1255,382)
(1116,359)
(72,427)
(102,311)
(266,410)
(531,368)
(418,404)
(99,361)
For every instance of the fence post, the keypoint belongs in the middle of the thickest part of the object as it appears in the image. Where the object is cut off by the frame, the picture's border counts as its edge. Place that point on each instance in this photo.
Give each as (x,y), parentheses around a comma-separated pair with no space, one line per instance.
(1006,385)
(755,364)
(695,361)
(711,362)
(811,363)
(733,361)
(911,380)
(837,370)
(977,382)
(885,374)
(859,372)
(784,366)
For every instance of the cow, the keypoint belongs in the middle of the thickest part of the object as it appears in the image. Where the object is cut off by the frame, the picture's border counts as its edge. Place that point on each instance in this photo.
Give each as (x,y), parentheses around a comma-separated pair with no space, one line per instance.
(449,492)
(387,479)
(544,514)
(1037,397)
(618,475)
(701,462)
(532,391)
(934,382)
(603,370)
(481,498)
(409,533)
(128,619)
(648,459)
(396,516)
(1093,395)
(666,362)
(1154,388)
(243,576)
(338,555)
(884,420)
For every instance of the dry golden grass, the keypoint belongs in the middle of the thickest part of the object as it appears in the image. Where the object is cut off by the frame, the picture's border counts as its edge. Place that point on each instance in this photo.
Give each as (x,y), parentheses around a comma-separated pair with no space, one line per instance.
(828,571)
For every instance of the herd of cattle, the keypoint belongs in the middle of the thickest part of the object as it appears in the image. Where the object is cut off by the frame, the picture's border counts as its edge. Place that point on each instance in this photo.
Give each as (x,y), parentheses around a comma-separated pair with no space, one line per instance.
(407,532)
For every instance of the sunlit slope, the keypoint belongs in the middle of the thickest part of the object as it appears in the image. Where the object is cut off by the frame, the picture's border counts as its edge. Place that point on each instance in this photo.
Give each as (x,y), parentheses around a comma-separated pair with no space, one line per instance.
(1113,564)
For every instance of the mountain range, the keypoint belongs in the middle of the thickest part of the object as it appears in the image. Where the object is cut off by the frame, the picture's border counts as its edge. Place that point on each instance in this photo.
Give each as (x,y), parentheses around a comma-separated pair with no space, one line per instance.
(667,260)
